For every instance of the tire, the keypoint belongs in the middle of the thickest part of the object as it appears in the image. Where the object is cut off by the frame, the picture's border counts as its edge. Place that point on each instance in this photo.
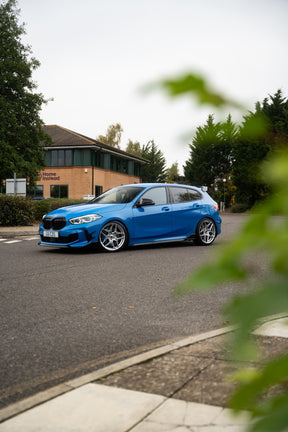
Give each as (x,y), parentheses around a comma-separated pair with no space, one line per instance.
(206,232)
(113,237)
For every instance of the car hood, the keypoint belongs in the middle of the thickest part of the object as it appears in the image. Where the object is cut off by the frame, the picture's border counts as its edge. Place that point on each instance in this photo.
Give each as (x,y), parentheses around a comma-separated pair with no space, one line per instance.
(85,209)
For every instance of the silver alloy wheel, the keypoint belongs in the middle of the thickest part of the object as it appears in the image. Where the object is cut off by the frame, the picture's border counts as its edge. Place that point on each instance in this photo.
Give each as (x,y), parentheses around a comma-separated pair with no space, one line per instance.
(113,236)
(206,231)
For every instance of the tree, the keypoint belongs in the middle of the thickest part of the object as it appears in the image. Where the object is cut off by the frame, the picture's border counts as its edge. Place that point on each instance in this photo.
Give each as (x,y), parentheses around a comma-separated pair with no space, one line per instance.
(20,124)
(155,171)
(263,131)
(199,169)
(133,148)
(113,136)
(173,173)
(211,153)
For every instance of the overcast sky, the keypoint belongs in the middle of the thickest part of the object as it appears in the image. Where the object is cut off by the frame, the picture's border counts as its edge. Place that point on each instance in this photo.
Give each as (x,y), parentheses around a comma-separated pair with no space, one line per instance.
(96,55)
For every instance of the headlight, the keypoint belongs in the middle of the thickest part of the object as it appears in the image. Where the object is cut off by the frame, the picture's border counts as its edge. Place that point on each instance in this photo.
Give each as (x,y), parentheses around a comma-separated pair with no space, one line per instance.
(84,219)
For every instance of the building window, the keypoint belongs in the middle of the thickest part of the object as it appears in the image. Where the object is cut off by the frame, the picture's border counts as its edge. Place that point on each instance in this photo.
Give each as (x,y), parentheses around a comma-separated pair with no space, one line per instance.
(82,157)
(98,190)
(125,166)
(59,191)
(35,192)
(55,158)
(113,163)
(38,191)
(61,158)
(136,170)
(68,157)
(99,160)
(119,165)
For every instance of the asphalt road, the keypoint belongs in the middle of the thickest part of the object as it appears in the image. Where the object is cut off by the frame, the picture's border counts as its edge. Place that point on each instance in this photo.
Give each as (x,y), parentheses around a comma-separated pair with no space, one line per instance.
(64,313)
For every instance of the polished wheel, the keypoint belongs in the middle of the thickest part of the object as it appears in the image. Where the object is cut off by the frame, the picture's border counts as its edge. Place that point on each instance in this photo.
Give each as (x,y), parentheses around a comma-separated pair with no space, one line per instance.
(113,237)
(206,232)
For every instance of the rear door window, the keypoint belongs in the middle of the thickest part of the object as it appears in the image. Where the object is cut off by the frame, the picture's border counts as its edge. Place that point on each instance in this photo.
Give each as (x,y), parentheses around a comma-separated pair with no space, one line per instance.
(182,194)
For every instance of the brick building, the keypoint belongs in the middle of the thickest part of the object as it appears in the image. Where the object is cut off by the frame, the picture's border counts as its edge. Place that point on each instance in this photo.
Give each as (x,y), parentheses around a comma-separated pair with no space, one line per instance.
(78,166)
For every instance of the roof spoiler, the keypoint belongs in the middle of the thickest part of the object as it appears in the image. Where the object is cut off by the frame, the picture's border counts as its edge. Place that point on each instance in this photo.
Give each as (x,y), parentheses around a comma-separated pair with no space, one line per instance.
(204,188)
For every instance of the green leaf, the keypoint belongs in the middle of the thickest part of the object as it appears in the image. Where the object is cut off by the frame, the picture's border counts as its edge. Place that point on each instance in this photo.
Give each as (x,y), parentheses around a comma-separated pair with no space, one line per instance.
(196,86)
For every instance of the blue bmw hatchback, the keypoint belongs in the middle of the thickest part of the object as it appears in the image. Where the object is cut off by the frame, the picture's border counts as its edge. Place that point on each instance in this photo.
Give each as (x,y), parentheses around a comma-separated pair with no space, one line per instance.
(133,215)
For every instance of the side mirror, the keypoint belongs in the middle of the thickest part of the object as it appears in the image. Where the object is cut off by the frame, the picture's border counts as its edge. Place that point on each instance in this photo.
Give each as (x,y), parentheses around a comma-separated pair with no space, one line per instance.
(145,202)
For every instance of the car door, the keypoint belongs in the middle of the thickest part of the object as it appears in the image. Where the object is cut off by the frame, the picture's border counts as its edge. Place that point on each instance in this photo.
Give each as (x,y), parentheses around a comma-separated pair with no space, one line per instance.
(187,210)
(152,222)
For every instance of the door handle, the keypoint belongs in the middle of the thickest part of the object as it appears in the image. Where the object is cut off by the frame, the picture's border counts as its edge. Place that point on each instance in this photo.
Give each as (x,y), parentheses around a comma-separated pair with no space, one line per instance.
(165,208)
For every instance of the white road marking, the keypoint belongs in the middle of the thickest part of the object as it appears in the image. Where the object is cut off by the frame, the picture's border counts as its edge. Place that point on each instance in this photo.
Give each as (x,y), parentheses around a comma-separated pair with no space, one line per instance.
(12,241)
(32,238)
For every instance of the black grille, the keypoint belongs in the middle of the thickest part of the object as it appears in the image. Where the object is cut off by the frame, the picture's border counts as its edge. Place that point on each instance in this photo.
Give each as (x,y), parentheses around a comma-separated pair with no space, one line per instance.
(61,239)
(56,223)
(47,223)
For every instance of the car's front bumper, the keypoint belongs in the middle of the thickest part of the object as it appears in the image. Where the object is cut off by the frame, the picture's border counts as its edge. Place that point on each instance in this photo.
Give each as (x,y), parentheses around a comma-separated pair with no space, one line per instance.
(69,236)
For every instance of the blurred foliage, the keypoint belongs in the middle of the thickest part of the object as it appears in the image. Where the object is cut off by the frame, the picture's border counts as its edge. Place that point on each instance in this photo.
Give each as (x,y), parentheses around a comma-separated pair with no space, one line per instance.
(196,86)
(265,232)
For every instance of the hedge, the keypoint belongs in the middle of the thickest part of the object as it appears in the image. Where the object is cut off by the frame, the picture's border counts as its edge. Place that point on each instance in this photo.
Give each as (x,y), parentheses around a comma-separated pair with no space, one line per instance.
(239,208)
(20,211)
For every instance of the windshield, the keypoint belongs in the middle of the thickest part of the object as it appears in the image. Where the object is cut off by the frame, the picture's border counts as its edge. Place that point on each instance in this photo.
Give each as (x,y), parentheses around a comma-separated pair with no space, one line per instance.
(118,195)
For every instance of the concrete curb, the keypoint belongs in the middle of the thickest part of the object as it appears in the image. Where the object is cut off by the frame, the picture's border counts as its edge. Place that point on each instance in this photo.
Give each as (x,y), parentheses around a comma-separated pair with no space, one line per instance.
(42,397)
(9,234)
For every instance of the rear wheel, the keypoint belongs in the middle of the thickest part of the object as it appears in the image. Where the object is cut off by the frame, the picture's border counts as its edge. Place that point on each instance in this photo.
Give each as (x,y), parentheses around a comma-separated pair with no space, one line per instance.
(206,232)
(113,237)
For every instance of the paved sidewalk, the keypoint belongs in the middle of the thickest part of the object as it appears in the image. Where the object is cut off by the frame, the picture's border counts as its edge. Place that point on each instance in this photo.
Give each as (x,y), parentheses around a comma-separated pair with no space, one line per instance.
(180,387)
(7,232)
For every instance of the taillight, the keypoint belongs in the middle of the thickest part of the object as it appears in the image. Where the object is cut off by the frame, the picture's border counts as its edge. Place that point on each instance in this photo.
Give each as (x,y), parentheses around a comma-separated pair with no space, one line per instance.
(216,206)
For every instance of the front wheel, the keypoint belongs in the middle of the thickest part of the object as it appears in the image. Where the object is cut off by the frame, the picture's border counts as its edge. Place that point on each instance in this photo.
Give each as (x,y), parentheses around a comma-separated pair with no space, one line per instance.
(206,232)
(113,237)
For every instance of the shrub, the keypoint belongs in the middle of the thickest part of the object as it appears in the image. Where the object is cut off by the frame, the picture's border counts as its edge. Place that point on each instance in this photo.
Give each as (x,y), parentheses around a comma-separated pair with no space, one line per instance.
(16,211)
(40,208)
(20,211)
(239,208)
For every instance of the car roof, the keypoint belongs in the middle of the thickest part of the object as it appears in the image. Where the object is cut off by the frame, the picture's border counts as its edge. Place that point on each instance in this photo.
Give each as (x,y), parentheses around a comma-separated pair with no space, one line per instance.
(146,185)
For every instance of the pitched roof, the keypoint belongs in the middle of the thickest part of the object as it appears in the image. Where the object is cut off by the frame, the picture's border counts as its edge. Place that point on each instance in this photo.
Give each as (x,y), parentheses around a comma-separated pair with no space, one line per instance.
(65,138)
